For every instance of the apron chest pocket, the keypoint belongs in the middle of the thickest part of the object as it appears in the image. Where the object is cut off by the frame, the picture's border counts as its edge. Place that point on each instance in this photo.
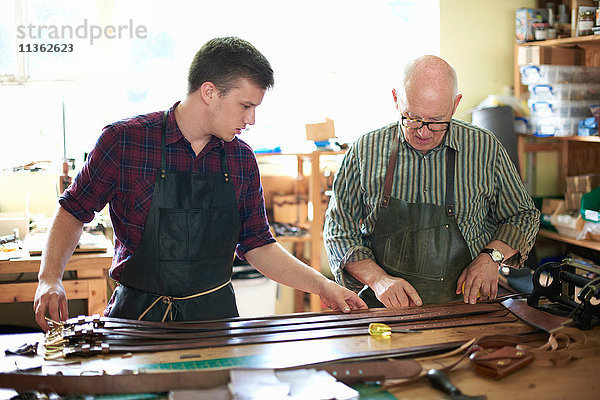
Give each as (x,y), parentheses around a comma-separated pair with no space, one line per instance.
(414,253)
(189,234)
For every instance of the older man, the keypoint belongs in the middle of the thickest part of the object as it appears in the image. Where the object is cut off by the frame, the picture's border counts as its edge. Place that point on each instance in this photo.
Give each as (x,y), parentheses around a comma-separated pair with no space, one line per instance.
(426,205)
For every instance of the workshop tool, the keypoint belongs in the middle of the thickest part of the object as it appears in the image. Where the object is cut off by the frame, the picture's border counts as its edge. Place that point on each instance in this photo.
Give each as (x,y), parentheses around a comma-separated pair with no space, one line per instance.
(382,330)
(557,282)
(13,237)
(440,381)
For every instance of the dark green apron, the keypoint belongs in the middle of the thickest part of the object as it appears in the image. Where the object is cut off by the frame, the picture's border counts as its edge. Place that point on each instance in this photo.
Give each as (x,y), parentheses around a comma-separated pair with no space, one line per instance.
(182,268)
(419,242)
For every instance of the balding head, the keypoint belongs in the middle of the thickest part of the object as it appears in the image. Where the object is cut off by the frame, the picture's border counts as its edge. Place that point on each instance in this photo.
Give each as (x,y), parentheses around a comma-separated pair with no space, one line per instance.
(429,72)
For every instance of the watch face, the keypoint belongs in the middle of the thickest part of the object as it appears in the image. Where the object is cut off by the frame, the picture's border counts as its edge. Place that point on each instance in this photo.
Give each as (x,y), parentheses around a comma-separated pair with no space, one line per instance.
(496,255)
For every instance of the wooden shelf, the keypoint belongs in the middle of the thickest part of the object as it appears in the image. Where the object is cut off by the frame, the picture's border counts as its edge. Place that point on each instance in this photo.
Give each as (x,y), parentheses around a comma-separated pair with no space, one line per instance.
(302,155)
(315,235)
(577,154)
(574,138)
(589,39)
(588,244)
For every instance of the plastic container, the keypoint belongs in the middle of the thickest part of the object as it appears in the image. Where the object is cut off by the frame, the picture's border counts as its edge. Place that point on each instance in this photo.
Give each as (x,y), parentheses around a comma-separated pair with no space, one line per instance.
(554,126)
(565,224)
(552,74)
(590,206)
(562,109)
(564,91)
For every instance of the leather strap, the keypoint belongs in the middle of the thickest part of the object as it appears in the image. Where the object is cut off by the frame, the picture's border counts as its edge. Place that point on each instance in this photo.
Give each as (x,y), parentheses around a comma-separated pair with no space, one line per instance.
(432,311)
(534,317)
(100,346)
(391,169)
(365,371)
(93,337)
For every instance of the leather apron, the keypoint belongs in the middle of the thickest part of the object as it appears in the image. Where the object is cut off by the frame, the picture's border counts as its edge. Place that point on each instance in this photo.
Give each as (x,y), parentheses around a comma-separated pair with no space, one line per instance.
(182,268)
(419,242)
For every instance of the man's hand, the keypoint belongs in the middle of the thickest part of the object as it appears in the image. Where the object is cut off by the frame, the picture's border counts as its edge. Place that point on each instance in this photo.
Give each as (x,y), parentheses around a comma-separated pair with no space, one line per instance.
(396,292)
(391,291)
(338,298)
(50,298)
(480,276)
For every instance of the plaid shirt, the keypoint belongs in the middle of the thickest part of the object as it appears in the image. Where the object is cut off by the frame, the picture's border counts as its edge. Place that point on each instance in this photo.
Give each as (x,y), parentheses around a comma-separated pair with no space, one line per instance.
(121,171)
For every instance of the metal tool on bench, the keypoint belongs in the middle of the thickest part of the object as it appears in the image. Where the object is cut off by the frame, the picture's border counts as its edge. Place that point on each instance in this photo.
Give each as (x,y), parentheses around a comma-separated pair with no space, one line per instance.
(556,281)
(439,380)
(13,237)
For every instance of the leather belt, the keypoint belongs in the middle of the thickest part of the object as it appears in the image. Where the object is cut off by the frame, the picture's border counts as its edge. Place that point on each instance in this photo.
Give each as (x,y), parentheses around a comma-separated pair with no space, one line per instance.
(92,335)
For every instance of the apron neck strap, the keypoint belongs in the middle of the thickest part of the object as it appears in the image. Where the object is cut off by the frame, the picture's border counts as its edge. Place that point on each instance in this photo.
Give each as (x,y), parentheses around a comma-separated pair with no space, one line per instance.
(224,169)
(163,147)
(450,161)
(389,175)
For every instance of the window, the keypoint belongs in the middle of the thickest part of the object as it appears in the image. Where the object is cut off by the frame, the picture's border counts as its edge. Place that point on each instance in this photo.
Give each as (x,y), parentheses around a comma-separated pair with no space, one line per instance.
(332,58)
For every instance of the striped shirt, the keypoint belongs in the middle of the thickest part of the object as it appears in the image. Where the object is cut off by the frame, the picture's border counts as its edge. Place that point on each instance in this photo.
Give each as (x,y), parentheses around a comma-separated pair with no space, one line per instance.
(121,171)
(491,202)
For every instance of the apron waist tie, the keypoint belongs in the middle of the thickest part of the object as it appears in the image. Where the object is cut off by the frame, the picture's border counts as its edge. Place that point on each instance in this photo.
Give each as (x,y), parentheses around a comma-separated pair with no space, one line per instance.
(169,301)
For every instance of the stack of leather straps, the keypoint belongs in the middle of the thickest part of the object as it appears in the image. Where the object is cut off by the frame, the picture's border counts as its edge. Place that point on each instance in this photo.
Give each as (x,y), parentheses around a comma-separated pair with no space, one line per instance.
(102,335)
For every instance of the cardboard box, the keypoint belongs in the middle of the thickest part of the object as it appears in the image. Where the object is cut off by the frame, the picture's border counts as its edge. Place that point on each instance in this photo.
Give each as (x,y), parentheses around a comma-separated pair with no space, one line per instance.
(568,225)
(582,183)
(290,209)
(552,206)
(525,17)
(320,132)
(573,200)
(539,55)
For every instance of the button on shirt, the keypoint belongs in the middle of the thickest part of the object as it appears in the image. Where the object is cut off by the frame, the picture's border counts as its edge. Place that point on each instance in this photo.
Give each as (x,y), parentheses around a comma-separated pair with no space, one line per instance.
(491,202)
(121,171)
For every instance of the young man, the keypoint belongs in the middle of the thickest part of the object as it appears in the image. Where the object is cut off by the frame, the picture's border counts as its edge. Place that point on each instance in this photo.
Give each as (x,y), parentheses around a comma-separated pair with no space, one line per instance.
(427,204)
(184,194)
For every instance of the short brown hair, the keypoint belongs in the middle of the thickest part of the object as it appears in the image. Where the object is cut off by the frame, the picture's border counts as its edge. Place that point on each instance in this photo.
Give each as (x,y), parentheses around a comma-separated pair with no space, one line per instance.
(223,61)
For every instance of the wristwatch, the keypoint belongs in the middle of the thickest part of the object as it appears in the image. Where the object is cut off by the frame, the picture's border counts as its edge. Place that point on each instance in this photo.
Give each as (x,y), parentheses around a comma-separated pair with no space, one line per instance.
(495,254)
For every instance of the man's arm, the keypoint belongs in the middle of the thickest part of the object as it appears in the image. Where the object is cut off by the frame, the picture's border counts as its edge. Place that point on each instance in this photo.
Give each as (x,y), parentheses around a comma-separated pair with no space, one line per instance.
(276,263)
(518,222)
(50,295)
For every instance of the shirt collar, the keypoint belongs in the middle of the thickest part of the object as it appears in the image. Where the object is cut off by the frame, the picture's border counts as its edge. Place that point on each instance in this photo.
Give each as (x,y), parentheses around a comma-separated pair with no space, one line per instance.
(174,133)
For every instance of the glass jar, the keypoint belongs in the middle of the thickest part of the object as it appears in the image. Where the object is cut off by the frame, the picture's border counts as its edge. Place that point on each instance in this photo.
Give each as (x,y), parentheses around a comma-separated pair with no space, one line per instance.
(540,30)
(585,23)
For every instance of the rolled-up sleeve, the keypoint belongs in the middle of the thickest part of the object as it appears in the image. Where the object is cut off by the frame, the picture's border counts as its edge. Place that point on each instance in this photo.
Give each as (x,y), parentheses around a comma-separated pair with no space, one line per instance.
(255,226)
(515,214)
(344,236)
(94,185)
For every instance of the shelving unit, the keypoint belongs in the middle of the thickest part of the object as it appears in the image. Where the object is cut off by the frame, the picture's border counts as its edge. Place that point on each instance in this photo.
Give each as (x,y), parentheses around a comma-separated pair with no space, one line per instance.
(315,236)
(577,154)
(588,244)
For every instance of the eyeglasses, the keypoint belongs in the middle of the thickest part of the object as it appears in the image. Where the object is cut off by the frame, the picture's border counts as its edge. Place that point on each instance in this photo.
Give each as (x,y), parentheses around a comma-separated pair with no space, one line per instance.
(418,124)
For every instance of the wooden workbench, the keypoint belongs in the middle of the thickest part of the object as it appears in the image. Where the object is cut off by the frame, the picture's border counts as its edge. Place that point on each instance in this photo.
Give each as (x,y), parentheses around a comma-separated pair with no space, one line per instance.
(576,380)
(90,283)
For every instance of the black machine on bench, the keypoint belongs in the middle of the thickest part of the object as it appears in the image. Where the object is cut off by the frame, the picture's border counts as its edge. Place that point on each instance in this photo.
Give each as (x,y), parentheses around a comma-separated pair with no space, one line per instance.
(557,282)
